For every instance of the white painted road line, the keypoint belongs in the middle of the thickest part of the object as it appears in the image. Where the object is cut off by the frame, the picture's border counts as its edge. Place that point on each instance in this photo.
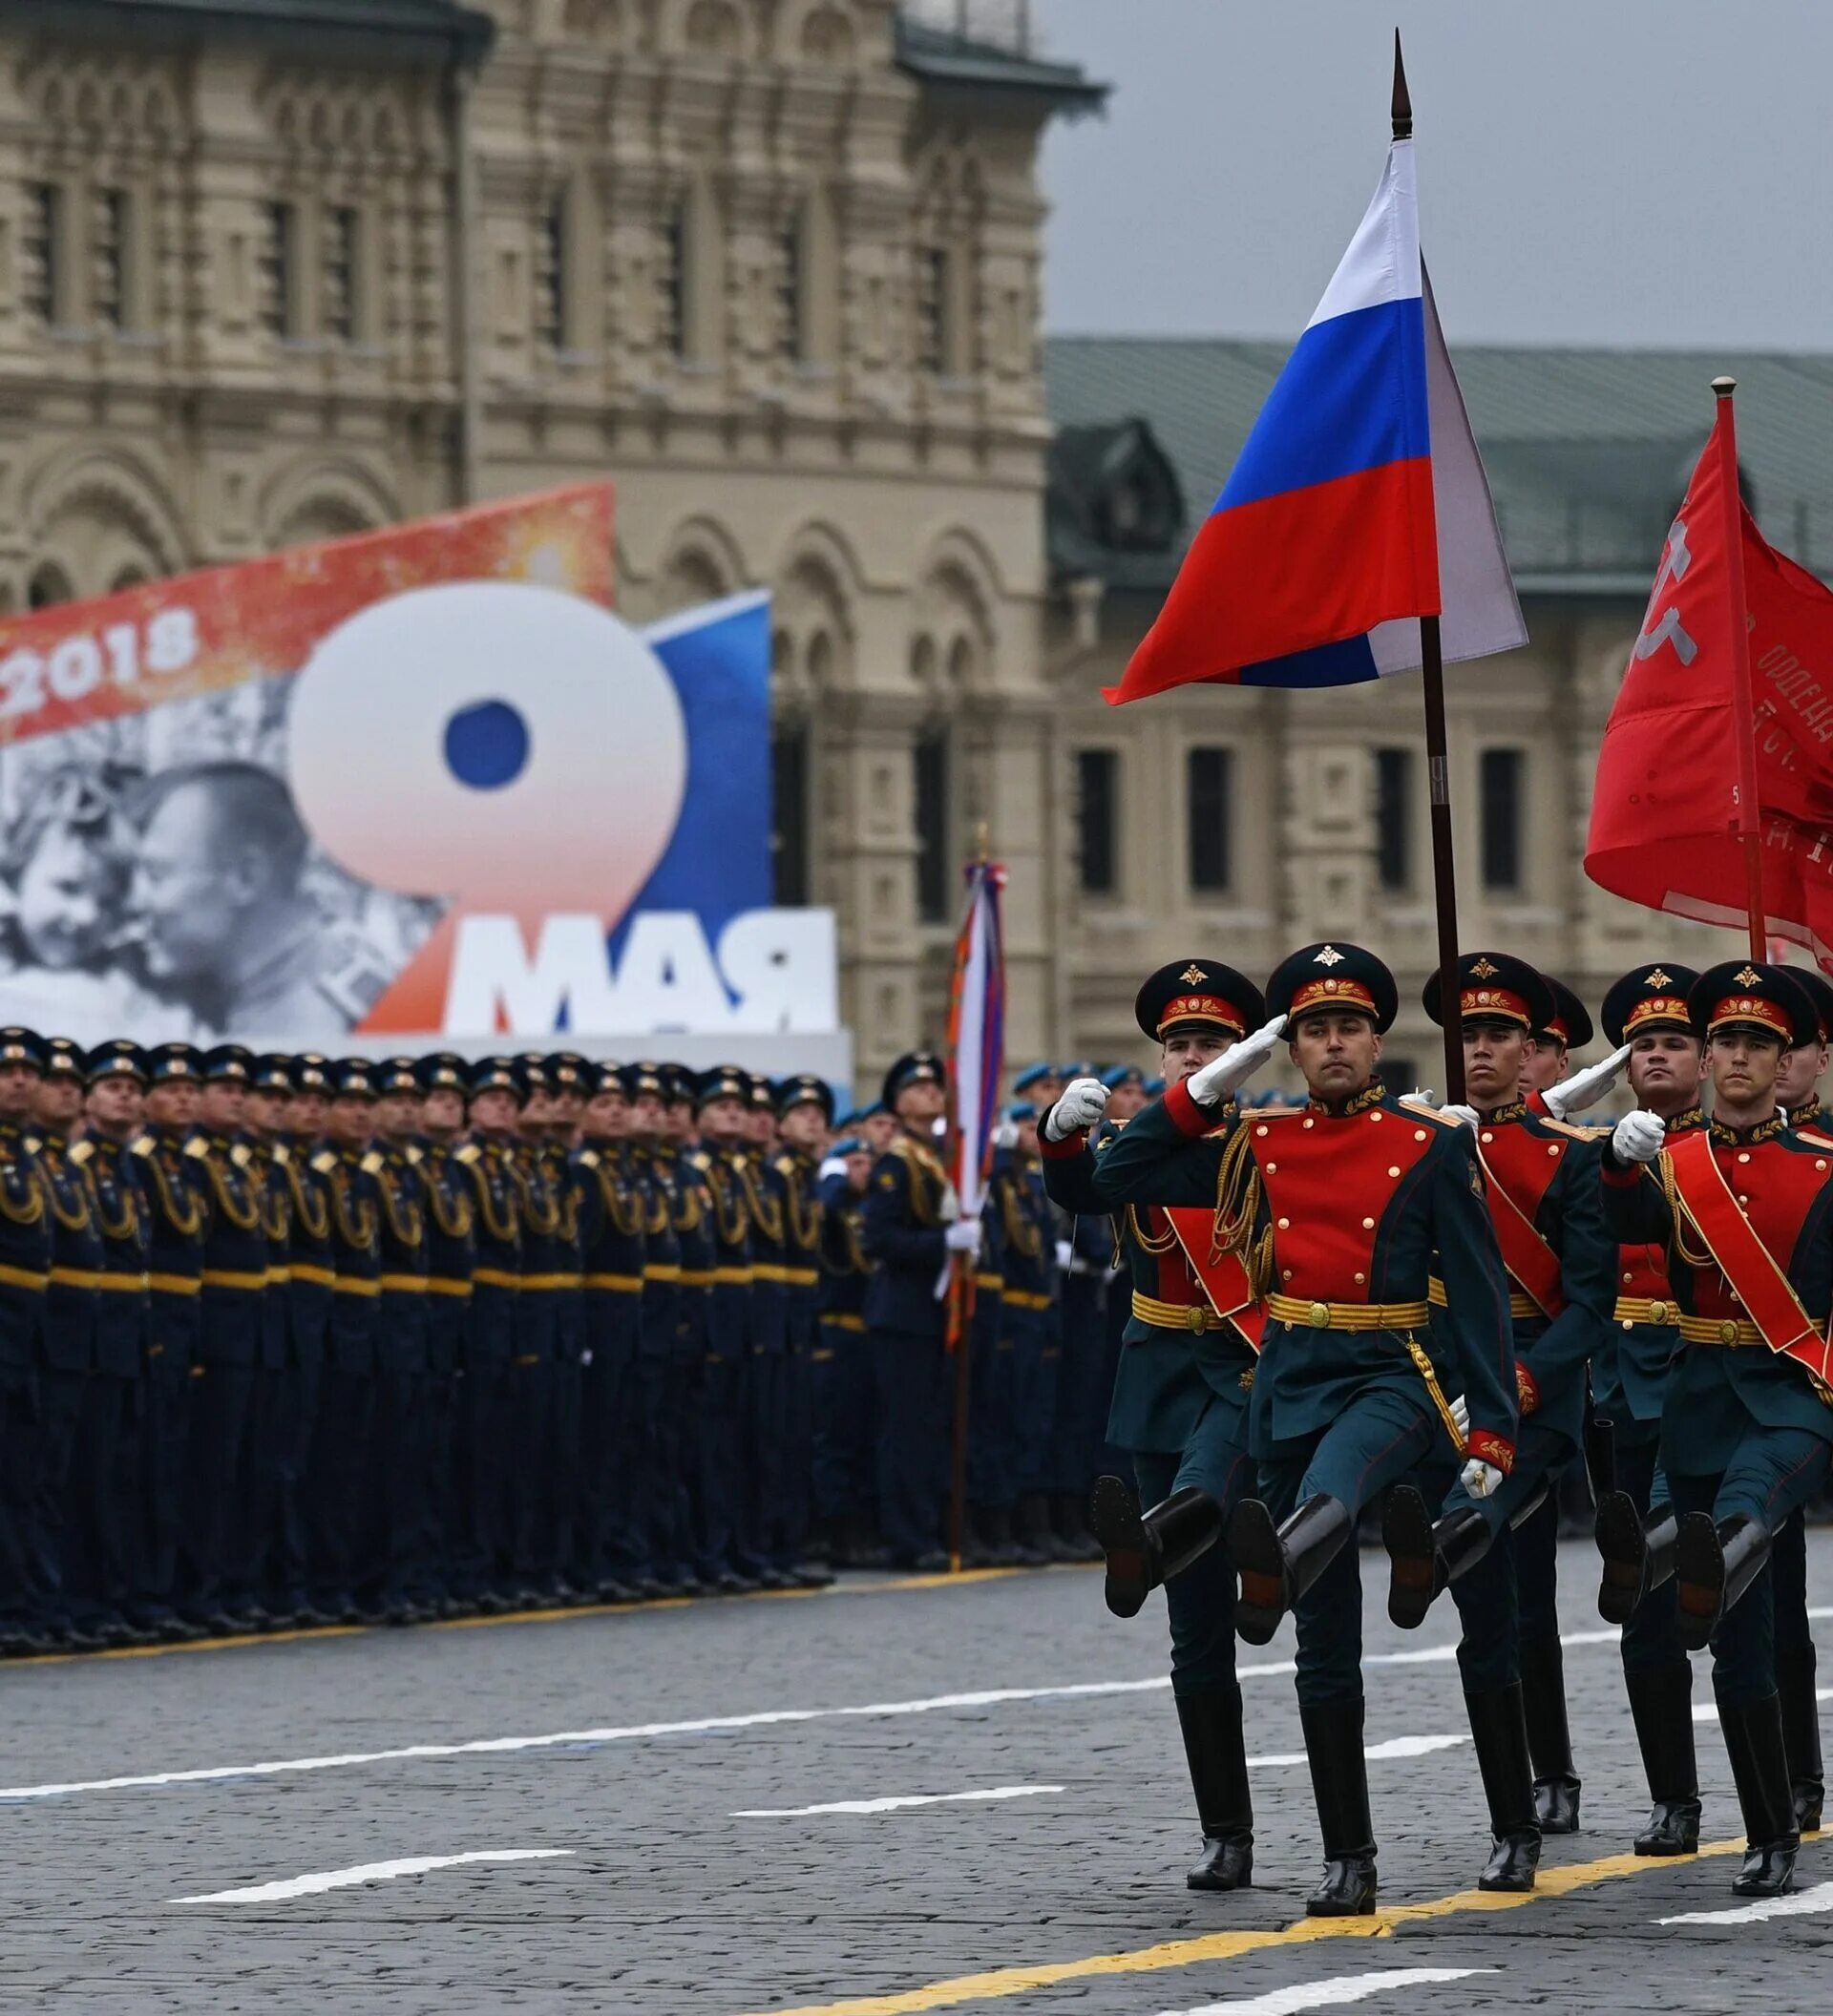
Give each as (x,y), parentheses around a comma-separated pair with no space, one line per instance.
(1332,1994)
(705,1725)
(1800,1905)
(928,1798)
(366,1873)
(1375,1752)
(1708,1710)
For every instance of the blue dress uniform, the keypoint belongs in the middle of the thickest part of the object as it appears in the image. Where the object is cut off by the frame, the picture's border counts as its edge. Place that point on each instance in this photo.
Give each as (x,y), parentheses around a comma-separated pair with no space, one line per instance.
(1746,1430)
(908,1203)
(67,1359)
(401,1479)
(1085,1374)
(344,1457)
(678,1564)
(25,1269)
(566,1076)
(1179,1409)
(481,1571)
(1341,1210)
(767,1368)
(1031,1314)
(533,1534)
(176,1205)
(840,1368)
(451,1253)
(1629,1386)
(653,1458)
(1542,1191)
(727,1458)
(302,1164)
(608,1557)
(106,1481)
(792,1175)
(232,1312)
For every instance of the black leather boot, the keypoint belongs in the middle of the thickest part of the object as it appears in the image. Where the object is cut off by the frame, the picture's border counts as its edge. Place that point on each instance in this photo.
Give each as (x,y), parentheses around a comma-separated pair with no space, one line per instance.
(1339,1785)
(1713,1567)
(1549,1736)
(1760,1770)
(1637,1553)
(1796,1674)
(1146,1549)
(1499,1729)
(1661,1707)
(1426,1558)
(1216,1752)
(1278,1564)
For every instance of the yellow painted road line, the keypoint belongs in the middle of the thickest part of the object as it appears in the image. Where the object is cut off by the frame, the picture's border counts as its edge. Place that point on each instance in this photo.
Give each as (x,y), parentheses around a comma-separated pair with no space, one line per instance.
(999,1983)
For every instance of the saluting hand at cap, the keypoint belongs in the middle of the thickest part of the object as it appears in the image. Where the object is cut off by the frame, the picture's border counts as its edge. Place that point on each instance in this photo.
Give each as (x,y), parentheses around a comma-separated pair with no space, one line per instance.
(1237,1064)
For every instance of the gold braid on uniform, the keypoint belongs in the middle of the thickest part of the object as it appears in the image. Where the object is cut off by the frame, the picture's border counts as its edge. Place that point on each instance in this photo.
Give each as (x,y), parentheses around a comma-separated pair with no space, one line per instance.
(244,1217)
(542,1215)
(1664,1164)
(76,1221)
(359,1231)
(848,1227)
(33,1209)
(692,1197)
(184,1220)
(728,1207)
(500,1229)
(310,1207)
(805,1224)
(620,1204)
(767,1215)
(1238,1207)
(277,1219)
(129,1225)
(1147,1242)
(452,1218)
(1026,1238)
(405,1221)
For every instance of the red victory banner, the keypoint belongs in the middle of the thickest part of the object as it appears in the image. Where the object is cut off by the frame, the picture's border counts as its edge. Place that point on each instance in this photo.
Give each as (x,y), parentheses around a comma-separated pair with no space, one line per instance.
(1713,797)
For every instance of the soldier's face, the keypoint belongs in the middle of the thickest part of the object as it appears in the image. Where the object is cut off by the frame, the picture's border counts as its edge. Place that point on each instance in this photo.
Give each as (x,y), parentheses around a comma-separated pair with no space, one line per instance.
(646,1116)
(1494,1054)
(881,1130)
(397,1115)
(1337,1052)
(858,1174)
(351,1124)
(443,1113)
(263,1111)
(493,1110)
(115,1104)
(306,1113)
(16,1086)
(1746,1064)
(1127,1098)
(222,1105)
(1045,1092)
(608,1116)
(804,1126)
(173,1102)
(1802,1069)
(1543,1064)
(1665,1070)
(920,1105)
(56,1101)
(677,1118)
(1187,1050)
(725,1121)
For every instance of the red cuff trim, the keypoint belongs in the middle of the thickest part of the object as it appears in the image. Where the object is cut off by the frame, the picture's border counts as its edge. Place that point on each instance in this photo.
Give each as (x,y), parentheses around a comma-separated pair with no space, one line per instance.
(1185,1115)
(1064,1150)
(1490,1449)
(1620,1178)
(1527,1390)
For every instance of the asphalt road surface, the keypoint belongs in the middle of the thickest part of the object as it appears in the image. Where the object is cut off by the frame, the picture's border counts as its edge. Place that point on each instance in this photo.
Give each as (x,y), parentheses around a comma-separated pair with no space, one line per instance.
(886,1798)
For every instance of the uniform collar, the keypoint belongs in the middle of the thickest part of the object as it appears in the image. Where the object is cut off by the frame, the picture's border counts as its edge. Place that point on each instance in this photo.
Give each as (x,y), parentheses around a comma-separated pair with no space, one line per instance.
(1515,1110)
(1810,1114)
(1372,1094)
(1747,1137)
(1685,1122)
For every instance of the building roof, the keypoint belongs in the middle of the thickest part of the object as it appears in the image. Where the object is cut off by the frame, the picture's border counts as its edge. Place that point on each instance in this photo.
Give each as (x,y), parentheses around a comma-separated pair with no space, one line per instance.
(411,29)
(940,55)
(1588,451)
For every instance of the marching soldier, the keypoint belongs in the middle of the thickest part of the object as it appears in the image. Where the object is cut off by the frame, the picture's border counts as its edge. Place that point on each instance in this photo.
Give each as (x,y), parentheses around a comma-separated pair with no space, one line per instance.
(1745,1209)
(1543,1200)
(566,1081)
(1179,1406)
(344,1466)
(840,1365)
(1337,1211)
(401,1481)
(1647,1009)
(533,1512)
(24,1271)
(232,1311)
(692,1210)
(653,1457)
(608,1552)
(173,1191)
(487,1159)
(304,1164)
(804,1115)
(101,1585)
(451,1254)
(1032,1315)
(766,1435)
(913,1230)
(67,1359)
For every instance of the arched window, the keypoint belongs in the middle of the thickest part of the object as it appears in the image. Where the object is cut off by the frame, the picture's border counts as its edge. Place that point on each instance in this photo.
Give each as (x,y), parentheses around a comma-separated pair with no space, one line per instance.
(48,586)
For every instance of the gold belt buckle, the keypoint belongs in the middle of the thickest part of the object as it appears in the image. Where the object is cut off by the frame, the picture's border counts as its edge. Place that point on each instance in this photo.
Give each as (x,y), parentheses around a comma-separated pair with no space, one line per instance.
(1195,1317)
(1658,1312)
(1727,1332)
(1320,1315)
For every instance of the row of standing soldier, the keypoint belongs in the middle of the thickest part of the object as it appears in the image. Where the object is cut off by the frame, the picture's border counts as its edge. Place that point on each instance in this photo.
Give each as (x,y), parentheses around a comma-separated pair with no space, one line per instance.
(1372,1302)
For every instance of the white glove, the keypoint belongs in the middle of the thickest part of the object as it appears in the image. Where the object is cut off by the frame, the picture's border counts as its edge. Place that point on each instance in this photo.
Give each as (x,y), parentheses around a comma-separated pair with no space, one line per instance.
(1461,1414)
(1420,1096)
(1584,1088)
(1637,1137)
(1006,1134)
(1479,1477)
(963,1236)
(1081,1105)
(1065,1254)
(1464,1116)
(1237,1064)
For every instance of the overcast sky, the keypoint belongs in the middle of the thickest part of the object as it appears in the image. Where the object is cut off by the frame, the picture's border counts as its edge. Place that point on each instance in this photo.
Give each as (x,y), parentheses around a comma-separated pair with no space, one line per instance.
(1590,171)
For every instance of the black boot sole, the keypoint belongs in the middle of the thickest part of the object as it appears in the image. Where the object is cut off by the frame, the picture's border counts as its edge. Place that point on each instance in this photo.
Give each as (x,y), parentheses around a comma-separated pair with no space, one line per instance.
(1698,1581)
(1768,1871)
(1224,1865)
(1406,1533)
(1672,1830)
(1261,1560)
(1114,1514)
(1347,1891)
(1511,1867)
(1625,1558)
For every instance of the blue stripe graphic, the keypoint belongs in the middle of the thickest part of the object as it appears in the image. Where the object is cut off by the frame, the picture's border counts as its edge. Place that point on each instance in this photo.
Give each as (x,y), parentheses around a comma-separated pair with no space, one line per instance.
(1345,664)
(1350,397)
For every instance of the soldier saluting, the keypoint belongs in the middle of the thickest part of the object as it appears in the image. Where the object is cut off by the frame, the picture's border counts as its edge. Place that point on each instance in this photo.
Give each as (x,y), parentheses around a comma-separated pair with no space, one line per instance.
(1337,1212)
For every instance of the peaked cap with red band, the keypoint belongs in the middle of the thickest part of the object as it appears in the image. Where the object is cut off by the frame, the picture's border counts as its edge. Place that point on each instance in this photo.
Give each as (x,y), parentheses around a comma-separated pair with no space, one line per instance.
(1200,994)
(1649,998)
(1333,976)
(1570,1021)
(1496,987)
(1748,993)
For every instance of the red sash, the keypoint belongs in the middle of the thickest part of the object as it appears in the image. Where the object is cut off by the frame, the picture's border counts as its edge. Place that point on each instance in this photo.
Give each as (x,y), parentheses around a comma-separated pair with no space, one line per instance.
(1759,1284)
(1223,1277)
(1525,1254)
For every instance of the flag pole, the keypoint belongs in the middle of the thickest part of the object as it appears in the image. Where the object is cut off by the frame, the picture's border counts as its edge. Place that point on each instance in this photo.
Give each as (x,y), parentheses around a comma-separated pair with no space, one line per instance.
(960,1330)
(1750,818)
(1438,761)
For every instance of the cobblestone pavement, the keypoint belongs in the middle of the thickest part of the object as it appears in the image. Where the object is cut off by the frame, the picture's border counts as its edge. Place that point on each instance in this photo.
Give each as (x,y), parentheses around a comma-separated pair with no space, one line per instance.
(195,1772)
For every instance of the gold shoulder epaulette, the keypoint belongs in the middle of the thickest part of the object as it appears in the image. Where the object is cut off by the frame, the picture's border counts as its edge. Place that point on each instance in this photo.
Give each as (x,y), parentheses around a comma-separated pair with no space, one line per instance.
(1813,1134)
(467,1154)
(143,1145)
(199,1148)
(415,1156)
(241,1155)
(701,1161)
(785,1165)
(280,1153)
(589,1158)
(82,1151)
(371,1163)
(1572,1131)
(31,1142)
(325,1161)
(1420,1110)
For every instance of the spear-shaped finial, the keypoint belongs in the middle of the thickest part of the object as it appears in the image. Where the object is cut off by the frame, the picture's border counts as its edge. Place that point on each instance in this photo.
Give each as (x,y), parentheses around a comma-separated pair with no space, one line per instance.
(1402,103)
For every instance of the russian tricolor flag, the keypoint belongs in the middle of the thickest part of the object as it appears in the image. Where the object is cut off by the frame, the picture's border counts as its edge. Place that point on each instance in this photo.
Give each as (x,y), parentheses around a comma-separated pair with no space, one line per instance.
(1359,503)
